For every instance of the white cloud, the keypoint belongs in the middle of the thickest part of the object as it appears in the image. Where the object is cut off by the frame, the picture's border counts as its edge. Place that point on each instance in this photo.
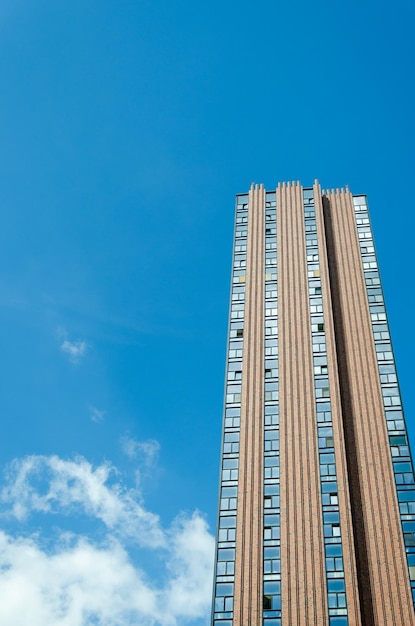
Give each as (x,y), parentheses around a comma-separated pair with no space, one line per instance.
(75,586)
(74,349)
(79,582)
(191,566)
(68,486)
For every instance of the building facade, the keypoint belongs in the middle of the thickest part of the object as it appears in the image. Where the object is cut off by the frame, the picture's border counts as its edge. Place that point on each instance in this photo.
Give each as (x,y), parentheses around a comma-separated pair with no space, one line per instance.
(316,521)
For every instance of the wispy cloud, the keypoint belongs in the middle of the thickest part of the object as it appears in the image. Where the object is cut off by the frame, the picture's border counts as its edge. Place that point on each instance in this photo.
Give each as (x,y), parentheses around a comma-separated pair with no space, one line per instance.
(74,349)
(145,453)
(95,414)
(83,582)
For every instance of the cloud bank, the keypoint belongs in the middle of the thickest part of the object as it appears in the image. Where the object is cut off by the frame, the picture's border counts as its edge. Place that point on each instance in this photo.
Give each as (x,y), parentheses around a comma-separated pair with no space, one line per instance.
(76,580)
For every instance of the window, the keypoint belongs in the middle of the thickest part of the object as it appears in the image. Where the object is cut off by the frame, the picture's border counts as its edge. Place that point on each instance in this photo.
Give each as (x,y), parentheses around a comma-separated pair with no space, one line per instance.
(271,533)
(233,333)
(337,600)
(227,534)
(237,311)
(224,589)
(334,564)
(229,474)
(271,468)
(328,469)
(326,442)
(267,502)
(271,416)
(238,295)
(241,233)
(271,502)
(223,604)
(271,440)
(398,440)
(272,596)
(228,503)
(322,389)
(317,308)
(271,276)
(336,530)
(231,443)
(271,330)
(233,392)
(267,605)
(271,349)
(339,621)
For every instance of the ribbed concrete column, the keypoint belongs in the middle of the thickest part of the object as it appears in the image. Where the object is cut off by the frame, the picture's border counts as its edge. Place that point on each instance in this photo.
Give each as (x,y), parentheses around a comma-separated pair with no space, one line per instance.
(249,529)
(304,598)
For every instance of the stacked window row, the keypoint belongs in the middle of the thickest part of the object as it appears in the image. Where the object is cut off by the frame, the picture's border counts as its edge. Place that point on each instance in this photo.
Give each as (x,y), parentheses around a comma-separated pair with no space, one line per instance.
(398,439)
(271,511)
(222,614)
(336,592)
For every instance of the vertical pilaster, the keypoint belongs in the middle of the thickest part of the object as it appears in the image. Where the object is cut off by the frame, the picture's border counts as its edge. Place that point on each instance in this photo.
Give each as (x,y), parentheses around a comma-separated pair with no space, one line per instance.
(381,565)
(350,573)
(304,600)
(249,529)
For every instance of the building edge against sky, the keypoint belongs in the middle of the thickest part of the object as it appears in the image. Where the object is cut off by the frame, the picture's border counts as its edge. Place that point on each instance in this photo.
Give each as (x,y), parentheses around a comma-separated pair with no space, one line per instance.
(316,520)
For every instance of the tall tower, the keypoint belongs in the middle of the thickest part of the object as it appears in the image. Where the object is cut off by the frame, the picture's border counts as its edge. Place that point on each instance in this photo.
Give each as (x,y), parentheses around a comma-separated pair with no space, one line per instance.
(316,522)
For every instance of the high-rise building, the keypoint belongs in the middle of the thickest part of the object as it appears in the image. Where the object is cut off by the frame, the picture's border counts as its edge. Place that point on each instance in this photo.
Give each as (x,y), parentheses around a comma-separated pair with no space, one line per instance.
(316,522)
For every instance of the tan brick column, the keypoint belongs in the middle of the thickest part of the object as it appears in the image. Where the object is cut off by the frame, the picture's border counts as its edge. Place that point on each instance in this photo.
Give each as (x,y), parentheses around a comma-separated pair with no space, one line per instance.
(380,554)
(350,574)
(304,597)
(249,526)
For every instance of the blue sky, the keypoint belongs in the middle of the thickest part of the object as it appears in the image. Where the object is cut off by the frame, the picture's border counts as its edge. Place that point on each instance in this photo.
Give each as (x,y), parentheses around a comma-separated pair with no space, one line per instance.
(126,128)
